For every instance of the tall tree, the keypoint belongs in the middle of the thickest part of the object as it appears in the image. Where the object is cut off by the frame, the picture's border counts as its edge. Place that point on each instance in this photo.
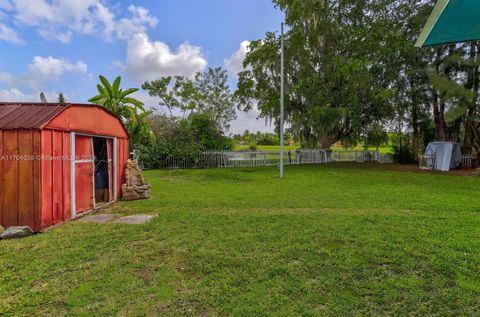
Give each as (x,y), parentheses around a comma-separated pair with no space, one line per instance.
(61,99)
(412,84)
(207,93)
(43,98)
(216,99)
(337,80)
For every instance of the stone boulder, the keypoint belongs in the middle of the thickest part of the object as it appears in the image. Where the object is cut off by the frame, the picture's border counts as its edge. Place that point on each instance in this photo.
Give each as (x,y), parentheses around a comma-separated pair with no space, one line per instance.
(133,174)
(135,186)
(135,192)
(16,232)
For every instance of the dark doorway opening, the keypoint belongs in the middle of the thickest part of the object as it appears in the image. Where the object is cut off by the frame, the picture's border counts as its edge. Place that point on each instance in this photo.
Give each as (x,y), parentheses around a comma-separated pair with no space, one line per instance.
(102,184)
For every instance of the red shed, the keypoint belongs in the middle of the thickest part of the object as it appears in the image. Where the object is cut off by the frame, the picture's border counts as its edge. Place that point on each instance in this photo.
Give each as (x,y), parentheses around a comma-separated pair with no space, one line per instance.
(58,161)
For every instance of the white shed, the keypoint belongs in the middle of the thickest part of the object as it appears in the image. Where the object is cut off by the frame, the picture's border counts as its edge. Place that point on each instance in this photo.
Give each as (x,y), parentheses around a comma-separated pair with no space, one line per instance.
(442,156)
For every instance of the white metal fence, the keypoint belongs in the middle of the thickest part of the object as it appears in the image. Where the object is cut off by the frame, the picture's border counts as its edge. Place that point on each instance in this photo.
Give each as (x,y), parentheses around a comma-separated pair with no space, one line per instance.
(428,162)
(467,161)
(224,159)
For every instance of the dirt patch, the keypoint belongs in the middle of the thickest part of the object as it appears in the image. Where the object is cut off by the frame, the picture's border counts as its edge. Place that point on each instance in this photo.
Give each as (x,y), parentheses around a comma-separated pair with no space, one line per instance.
(414,168)
(99,218)
(135,219)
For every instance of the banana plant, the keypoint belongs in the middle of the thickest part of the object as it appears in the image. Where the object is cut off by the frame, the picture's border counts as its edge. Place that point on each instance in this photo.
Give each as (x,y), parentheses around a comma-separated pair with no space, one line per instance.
(138,128)
(115,99)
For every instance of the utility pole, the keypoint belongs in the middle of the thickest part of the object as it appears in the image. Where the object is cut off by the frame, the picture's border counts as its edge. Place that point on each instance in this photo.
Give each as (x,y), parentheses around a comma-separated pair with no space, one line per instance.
(282,70)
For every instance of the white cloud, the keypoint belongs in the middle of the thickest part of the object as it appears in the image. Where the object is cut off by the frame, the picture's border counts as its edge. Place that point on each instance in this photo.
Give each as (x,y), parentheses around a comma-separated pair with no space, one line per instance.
(147,60)
(51,66)
(64,37)
(60,19)
(10,35)
(250,121)
(138,23)
(42,70)
(5,5)
(15,94)
(245,120)
(7,79)
(234,64)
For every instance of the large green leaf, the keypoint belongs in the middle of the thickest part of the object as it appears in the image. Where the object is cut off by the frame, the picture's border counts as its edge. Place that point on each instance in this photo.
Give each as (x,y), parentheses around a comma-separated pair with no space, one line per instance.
(96,99)
(106,85)
(135,102)
(128,91)
(101,90)
(116,86)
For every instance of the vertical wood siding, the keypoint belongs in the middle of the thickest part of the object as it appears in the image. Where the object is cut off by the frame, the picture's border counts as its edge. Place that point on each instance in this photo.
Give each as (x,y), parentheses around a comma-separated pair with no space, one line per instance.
(25,178)
(122,152)
(47,179)
(83,173)
(55,180)
(110,168)
(67,210)
(19,178)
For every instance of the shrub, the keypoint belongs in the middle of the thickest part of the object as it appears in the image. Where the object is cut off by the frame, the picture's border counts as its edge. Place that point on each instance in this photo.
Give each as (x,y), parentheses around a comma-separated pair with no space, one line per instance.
(402,148)
(184,139)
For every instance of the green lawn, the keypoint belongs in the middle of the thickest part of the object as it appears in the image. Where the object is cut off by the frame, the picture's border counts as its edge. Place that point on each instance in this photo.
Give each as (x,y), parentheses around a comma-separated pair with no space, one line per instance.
(383,150)
(267,148)
(329,240)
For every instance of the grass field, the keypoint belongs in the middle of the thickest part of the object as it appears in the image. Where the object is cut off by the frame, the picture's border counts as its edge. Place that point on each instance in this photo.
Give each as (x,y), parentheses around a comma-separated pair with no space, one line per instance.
(383,150)
(267,148)
(329,240)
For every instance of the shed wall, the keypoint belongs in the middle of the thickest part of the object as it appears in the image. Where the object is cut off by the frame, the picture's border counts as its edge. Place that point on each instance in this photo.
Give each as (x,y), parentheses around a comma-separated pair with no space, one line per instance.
(89,120)
(55,177)
(20,178)
(122,157)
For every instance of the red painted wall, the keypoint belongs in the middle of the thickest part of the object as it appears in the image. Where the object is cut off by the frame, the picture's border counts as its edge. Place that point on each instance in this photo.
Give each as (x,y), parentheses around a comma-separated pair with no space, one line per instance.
(89,120)
(55,177)
(19,178)
(83,173)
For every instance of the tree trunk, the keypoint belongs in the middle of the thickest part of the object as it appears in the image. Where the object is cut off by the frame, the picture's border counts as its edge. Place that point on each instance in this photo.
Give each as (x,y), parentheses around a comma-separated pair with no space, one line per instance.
(442,123)
(414,113)
(326,142)
(439,106)
(416,134)
(455,132)
(436,117)
(469,138)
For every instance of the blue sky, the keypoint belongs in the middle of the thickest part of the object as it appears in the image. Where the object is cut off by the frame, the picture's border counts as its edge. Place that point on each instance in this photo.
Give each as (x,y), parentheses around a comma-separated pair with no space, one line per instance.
(63,45)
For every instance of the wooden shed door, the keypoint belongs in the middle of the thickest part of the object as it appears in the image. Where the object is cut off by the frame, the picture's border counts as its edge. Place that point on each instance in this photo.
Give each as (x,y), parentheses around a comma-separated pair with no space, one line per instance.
(110,166)
(84,173)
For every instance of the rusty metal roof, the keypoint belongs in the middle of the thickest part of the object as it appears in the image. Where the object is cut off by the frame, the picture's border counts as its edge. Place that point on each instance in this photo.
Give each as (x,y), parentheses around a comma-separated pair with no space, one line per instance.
(15,115)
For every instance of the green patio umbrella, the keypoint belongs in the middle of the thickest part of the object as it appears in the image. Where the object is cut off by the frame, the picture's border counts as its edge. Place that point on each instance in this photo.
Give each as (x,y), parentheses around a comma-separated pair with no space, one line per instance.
(451,21)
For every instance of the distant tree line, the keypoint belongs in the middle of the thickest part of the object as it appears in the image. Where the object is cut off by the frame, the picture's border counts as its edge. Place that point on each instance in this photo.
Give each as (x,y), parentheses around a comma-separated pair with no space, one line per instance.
(262,138)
